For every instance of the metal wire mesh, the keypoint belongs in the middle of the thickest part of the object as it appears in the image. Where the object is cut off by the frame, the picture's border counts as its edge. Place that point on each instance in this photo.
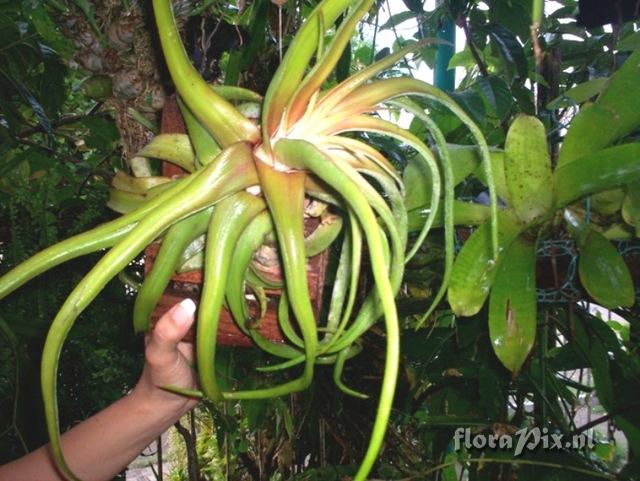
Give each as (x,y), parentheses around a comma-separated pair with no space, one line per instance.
(561,258)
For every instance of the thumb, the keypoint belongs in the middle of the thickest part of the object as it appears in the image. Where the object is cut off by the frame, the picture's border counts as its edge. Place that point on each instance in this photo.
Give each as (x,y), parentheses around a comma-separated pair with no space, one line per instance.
(172,327)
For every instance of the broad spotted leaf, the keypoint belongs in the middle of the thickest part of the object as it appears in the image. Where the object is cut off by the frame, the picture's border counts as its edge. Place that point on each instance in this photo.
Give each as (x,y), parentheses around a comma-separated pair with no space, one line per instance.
(603,272)
(527,168)
(512,305)
(614,114)
(580,93)
(597,171)
(475,268)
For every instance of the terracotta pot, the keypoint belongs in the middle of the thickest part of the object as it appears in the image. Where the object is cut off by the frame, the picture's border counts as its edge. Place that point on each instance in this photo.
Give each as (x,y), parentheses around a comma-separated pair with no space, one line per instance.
(188,284)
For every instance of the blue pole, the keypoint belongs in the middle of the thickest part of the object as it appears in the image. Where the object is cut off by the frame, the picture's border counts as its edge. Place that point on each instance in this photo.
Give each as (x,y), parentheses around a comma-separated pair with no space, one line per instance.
(444,78)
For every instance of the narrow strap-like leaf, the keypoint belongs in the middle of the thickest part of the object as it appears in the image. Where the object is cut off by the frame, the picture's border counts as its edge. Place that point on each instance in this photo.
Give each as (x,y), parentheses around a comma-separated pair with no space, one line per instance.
(251,238)
(449,193)
(100,237)
(230,218)
(284,193)
(345,283)
(371,124)
(223,121)
(304,155)
(325,63)
(337,375)
(384,90)
(363,151)
(177,238)
(294,64)
(217,181)
(125,201)
(337,94)
(173,148)
(204,144)
(139,185)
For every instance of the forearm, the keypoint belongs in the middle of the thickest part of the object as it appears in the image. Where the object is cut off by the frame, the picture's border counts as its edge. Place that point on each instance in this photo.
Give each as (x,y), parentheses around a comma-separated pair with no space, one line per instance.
(100,447)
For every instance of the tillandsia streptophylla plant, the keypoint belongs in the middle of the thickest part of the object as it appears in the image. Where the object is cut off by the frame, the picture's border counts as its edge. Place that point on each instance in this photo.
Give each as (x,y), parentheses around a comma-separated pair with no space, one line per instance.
(247,182)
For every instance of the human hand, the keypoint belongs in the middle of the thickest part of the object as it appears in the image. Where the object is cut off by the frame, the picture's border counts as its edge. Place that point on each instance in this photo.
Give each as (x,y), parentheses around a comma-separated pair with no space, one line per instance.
(168,360)
(101,446)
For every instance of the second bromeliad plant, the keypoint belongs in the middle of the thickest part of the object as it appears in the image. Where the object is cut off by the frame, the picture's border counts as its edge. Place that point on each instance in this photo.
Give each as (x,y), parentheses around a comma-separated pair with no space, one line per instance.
(246,182)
